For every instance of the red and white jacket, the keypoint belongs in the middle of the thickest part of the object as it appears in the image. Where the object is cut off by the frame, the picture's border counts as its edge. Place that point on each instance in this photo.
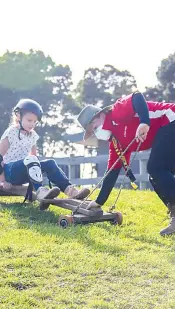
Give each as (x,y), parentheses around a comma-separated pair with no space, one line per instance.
(122,121)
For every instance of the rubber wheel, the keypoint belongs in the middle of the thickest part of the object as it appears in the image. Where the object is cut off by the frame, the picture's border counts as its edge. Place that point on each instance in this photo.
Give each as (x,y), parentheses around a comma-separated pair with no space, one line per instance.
(118,220)
(65,221)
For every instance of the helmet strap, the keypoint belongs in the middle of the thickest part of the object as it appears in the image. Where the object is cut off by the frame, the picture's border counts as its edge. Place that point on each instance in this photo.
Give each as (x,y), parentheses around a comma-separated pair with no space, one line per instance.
(21,128)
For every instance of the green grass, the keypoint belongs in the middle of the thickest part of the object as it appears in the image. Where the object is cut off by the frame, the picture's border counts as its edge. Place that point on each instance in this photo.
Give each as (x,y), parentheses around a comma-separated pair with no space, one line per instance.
(92,266)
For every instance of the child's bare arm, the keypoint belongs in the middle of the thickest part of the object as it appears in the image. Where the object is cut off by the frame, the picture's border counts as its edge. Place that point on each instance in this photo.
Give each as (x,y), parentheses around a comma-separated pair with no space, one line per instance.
(4,145)
(34,150)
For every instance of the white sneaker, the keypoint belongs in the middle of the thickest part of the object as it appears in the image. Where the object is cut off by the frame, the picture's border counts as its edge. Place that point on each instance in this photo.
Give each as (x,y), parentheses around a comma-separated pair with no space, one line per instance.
(73,192)
(44,193)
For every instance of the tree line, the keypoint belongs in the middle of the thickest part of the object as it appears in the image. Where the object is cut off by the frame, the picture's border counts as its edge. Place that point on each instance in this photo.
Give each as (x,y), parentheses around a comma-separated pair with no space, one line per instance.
(35,75)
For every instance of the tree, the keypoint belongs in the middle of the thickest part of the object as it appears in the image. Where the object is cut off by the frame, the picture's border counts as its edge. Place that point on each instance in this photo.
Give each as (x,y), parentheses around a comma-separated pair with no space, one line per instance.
(165,89)
(22,71)
(166,77)
(104,86)
(154,93)
(36,76)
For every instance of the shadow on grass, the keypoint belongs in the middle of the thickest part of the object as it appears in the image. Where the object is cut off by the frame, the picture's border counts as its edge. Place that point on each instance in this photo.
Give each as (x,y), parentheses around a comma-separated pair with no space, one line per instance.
(28,215)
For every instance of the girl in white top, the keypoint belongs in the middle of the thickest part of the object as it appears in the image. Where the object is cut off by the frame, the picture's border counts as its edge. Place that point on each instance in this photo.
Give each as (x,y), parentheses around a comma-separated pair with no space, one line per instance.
(18,157)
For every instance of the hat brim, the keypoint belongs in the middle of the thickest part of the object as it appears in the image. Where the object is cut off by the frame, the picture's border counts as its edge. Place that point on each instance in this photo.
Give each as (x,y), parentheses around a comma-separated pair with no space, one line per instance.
(89,134)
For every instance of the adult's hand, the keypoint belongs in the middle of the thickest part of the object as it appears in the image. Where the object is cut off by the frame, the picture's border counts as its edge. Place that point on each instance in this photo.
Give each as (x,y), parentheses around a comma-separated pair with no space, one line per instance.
(141,132)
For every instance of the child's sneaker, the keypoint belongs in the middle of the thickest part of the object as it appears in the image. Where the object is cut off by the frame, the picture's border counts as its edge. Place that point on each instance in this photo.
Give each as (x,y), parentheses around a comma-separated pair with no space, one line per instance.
(45,193)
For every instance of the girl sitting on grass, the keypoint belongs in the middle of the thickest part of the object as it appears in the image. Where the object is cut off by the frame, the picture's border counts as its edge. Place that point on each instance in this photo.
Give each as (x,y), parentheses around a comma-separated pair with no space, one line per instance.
(18,158)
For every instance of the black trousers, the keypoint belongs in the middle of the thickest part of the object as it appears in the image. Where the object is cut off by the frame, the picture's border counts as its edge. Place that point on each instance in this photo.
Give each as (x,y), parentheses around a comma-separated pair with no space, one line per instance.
(161,168)
(161,164)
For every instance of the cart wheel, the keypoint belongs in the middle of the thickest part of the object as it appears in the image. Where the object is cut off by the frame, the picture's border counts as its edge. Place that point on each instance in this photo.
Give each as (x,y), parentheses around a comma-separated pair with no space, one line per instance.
(118,220)
(65,221)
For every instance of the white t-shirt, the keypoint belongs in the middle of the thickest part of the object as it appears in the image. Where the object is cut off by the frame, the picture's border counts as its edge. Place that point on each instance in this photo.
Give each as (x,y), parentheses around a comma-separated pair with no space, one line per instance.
(18,148)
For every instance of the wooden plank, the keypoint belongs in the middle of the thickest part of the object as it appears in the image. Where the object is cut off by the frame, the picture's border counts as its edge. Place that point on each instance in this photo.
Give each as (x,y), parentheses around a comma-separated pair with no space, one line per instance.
(94,181)
(16,191)
(79,160)
(72,205)
(96,159)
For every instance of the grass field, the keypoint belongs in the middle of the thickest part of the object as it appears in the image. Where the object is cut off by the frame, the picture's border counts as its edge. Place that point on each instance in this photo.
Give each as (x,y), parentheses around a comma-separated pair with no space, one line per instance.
(93,266)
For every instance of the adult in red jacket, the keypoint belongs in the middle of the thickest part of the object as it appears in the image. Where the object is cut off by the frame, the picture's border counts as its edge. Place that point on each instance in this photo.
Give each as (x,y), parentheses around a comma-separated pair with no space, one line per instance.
(152,123)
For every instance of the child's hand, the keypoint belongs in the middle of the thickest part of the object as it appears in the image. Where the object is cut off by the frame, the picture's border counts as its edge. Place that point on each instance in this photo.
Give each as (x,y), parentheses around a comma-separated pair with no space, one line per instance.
(6,185)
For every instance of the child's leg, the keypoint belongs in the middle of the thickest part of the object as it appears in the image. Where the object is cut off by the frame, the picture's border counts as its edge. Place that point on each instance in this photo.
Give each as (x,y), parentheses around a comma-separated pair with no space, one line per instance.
(55,174)
(58,177)
(16,173)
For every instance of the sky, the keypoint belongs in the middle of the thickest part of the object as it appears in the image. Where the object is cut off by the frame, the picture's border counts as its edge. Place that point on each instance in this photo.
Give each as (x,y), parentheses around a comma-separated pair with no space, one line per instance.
(130,35)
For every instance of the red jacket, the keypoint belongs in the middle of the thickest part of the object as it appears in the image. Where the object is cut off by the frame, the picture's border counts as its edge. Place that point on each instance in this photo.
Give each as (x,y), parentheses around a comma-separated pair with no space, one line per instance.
(122,121)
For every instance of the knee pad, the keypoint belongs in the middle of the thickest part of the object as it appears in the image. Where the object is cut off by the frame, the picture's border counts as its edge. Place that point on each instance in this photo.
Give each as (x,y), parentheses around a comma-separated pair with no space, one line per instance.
(33,168)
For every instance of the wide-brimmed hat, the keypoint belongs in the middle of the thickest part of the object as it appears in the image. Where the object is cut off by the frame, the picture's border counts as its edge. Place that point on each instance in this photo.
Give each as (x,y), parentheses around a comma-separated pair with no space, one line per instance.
(88,114)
